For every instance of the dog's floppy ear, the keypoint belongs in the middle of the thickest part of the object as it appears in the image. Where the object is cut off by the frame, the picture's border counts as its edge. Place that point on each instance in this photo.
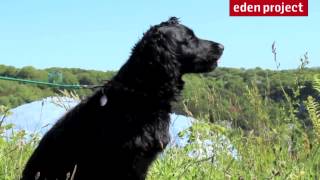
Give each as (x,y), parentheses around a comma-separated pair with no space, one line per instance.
(162,53)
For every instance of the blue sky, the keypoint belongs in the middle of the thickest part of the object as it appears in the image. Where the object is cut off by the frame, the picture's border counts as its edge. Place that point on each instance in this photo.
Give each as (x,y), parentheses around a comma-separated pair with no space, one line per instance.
(100,34)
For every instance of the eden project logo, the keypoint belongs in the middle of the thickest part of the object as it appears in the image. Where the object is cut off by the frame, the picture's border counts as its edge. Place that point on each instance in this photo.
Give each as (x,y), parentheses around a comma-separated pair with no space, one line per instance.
(268,7)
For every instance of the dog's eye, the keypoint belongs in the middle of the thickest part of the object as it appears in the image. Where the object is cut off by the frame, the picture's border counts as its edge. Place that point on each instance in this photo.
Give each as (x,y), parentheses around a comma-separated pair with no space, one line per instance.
(185,42)
(191,37)
(188,40)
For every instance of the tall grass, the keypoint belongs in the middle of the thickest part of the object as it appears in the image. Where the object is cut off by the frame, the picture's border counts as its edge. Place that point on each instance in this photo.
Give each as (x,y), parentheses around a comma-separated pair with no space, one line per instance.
(15,149)
(275,144)
(274,149)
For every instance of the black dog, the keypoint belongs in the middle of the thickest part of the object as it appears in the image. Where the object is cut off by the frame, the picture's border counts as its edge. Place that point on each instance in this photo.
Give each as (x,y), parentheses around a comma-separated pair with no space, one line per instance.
(120,129)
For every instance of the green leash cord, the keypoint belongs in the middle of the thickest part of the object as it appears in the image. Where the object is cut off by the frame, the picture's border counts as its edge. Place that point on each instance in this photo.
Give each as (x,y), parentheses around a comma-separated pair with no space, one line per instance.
(65,86)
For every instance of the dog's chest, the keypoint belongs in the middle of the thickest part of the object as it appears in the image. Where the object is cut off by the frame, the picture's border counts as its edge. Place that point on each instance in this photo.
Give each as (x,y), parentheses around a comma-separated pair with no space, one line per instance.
(151,135)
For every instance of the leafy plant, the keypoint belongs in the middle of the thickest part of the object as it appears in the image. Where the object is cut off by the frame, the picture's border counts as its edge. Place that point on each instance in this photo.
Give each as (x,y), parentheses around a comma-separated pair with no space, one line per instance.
(314,108)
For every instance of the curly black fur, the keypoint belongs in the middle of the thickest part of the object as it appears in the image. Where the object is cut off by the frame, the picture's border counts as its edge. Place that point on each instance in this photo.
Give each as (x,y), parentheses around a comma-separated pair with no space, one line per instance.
(122,137)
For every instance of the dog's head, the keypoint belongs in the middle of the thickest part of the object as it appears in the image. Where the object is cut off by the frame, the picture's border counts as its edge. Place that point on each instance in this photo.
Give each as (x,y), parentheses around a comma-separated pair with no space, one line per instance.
(193,54)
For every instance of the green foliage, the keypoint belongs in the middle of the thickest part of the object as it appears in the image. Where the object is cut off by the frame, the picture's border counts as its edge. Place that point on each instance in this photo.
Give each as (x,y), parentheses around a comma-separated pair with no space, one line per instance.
(314,108)
(13,94)
(269,127)
(260,159)
(14,152)
(15,148)
(271,118)
(316,82)
(30,72)
(273,145)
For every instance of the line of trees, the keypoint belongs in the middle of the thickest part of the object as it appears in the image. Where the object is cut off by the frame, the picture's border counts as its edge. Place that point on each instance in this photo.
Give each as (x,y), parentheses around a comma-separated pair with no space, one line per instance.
(224,94)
